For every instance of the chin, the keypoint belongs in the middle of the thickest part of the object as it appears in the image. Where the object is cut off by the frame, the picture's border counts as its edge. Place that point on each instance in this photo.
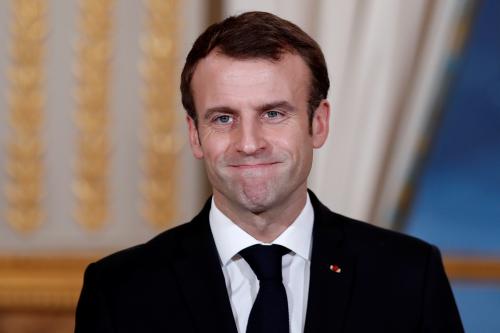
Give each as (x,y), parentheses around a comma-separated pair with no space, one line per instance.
(257,200)
(255,207)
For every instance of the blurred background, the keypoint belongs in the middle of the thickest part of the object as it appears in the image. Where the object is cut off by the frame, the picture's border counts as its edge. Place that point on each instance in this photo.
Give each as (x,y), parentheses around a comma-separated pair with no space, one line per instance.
(94,154)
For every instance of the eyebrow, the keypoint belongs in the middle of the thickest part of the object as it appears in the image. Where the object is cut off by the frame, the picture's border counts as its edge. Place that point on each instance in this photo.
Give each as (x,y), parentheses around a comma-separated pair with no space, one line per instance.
(218,109)
(283,105)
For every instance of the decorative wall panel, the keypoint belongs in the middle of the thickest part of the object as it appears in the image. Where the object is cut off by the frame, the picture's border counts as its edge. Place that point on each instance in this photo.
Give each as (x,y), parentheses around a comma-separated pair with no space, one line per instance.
(26,97)
(159,142)
(72,106)
(92,116)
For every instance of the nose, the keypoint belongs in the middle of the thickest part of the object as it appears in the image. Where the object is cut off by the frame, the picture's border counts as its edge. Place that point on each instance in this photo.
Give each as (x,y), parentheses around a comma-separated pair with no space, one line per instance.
(249,138)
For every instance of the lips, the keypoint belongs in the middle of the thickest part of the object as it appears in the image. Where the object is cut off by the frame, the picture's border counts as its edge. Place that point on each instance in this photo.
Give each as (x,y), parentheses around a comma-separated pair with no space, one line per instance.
(253,165)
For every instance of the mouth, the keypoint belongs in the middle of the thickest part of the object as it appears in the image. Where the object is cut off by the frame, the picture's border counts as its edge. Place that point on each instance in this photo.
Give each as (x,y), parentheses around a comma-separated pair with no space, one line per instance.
(250,166)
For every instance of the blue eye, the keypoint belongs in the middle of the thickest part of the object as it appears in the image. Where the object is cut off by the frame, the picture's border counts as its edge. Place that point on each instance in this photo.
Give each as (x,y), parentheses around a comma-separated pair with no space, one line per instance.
(223,119)
(272,114)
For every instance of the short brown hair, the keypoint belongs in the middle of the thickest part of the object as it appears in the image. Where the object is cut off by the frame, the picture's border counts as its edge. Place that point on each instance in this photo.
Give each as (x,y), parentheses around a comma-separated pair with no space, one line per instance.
(257,35)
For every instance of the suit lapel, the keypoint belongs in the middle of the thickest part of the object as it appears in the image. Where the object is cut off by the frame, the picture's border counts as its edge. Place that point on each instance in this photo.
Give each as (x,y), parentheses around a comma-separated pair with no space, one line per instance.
(201,279)
(329,291)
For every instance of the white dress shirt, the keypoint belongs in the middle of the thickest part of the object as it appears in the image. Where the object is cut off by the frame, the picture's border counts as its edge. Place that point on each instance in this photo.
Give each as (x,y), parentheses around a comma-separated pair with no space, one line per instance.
(241,282)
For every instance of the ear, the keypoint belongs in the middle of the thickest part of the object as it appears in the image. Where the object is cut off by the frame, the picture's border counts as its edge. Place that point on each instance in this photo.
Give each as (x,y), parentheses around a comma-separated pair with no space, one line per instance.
(194,138)
(321,124)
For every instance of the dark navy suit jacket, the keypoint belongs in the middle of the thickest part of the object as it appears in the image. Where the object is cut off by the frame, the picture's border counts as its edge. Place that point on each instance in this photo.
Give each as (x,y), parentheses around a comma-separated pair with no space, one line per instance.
(388,282)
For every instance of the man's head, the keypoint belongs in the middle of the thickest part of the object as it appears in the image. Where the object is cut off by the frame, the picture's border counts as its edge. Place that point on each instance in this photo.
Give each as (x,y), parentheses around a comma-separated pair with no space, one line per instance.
(253,115)
(257,35)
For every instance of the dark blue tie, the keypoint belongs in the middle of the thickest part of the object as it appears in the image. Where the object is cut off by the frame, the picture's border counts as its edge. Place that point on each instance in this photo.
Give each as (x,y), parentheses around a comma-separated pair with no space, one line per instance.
(269,312)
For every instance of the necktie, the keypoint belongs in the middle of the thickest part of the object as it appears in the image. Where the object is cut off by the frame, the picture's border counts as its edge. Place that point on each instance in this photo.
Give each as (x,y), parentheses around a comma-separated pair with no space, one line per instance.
(269,312)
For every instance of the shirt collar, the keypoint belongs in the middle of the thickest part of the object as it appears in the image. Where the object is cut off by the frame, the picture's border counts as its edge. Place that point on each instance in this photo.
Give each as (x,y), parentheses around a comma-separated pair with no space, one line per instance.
(231,239)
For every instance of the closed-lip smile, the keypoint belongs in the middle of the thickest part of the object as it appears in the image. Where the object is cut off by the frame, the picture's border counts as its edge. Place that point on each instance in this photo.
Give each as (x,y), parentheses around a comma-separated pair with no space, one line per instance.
(253,165)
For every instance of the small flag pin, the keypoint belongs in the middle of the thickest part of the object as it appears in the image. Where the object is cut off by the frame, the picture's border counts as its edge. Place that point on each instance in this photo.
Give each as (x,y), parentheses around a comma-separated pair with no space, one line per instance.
(335,268)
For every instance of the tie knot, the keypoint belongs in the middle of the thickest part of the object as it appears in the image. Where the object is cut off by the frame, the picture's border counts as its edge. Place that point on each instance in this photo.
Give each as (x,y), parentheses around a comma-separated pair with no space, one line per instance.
(265,260)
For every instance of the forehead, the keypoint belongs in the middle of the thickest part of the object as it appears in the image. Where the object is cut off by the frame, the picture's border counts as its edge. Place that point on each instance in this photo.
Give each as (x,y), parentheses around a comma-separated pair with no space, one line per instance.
(220,80)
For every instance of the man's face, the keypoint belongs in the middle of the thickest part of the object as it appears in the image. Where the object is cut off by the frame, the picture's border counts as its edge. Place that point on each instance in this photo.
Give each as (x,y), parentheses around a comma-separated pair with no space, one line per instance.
(253,129)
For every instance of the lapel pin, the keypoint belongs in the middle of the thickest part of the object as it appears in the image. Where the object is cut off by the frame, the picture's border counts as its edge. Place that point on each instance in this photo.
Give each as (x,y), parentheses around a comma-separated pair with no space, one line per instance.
(335,268)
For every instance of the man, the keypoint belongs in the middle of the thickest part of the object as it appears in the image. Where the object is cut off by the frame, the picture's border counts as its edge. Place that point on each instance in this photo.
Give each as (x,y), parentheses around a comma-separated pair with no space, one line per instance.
(264,255)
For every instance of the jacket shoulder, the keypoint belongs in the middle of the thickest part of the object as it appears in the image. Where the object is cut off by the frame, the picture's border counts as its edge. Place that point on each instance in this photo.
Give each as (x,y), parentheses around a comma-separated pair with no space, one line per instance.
(162,248)
(377,237)
(372,242)
(381,250)
(364,236)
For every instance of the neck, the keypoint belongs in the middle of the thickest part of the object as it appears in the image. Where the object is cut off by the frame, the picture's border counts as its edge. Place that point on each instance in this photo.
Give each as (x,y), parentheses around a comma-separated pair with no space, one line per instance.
(266,225)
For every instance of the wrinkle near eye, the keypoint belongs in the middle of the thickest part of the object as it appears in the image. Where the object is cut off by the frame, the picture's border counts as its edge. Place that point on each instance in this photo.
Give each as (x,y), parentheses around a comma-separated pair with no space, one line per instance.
(207,133)
(213,126)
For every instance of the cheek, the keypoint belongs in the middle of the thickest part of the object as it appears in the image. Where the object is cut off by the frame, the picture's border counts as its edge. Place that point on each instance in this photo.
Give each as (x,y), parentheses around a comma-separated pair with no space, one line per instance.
(295,142)
(214,148)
